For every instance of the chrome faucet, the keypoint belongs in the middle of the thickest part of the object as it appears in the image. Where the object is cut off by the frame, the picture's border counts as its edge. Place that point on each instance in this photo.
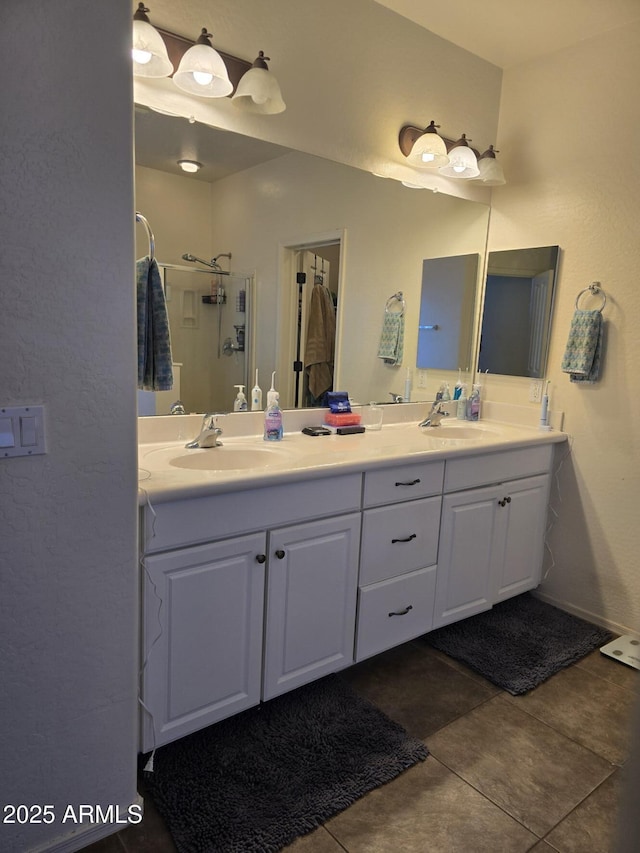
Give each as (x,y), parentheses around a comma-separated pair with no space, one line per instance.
(435,415)
(396,398)
(210,432)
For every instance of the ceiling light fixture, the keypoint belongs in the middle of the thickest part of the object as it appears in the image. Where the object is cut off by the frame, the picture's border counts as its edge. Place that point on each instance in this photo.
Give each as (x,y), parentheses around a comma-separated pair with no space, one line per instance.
(202,70)
(190,165)
(258,91)
(149,52)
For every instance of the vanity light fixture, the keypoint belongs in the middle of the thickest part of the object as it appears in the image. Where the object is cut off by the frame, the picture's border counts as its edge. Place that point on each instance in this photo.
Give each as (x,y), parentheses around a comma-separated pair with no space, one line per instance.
(258,90)
(202,70)
(491,173)
(423,150)
(149,52)
(191,166)
(462,161)
(429,151)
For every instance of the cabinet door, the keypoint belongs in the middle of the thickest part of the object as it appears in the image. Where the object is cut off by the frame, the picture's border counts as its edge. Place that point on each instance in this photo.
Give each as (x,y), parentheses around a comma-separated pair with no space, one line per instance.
(203,619)
(466,555)
(523,518)
(311,602)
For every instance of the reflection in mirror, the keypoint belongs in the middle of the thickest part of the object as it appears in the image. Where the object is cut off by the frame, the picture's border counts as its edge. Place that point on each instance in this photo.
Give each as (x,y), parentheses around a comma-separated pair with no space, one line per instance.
(518,302)
(447,312)
(263,211)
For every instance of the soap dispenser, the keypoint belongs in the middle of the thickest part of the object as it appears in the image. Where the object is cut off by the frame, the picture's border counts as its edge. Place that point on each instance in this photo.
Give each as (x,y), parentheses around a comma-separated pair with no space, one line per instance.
(273,430)
(240,403)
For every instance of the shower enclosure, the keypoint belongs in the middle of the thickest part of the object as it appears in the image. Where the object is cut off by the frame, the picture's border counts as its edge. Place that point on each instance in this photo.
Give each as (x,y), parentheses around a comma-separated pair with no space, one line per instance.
(209,314)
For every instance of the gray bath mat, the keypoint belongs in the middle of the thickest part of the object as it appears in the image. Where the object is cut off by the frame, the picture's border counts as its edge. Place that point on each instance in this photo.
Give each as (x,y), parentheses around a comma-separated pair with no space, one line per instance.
(258,780)
(520,642)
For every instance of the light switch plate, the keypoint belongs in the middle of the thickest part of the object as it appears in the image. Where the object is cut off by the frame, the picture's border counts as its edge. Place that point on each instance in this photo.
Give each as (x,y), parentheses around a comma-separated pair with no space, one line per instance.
(21,431)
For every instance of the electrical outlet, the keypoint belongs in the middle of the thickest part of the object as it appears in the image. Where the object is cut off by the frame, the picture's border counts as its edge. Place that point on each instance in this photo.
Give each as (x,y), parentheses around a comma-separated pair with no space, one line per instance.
(535,391)
(422,378)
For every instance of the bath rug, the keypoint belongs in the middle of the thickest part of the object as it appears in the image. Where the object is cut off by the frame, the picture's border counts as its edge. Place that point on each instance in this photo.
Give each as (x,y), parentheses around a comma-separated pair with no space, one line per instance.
(260,779)
(519,643)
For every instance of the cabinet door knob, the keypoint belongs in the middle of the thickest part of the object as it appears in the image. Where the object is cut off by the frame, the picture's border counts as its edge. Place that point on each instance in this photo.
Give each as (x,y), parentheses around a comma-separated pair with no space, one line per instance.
(261,558)
(402,612)
(410,483)
(506,500)
(280,554)
(408,539)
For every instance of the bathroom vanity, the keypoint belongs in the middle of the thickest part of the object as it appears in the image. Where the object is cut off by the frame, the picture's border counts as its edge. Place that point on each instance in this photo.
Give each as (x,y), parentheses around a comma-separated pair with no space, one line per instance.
(321,552)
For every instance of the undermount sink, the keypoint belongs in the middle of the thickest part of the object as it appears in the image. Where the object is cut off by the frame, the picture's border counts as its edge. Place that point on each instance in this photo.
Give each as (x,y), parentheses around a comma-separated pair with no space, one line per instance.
(222,458)
(451,431)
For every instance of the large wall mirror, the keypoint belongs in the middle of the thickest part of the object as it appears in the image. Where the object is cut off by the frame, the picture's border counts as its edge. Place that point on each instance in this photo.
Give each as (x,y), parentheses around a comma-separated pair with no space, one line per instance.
(518,304)
(263,205)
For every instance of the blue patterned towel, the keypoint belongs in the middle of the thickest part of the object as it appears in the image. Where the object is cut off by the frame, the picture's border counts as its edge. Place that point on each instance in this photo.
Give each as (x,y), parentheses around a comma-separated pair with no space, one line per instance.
(583,353)
(391,345)
(155,370)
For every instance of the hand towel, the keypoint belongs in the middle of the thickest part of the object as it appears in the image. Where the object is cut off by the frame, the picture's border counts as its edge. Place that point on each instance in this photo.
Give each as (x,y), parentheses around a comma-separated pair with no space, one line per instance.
(155,371)
(391,345)
(583,353)
(321,341)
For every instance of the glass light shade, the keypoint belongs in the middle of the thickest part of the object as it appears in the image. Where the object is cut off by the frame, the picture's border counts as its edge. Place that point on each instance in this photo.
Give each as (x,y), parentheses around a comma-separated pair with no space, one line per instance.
(428,151)
(258,92)
(202,72)
(491,173)
(462,162)
(149,52)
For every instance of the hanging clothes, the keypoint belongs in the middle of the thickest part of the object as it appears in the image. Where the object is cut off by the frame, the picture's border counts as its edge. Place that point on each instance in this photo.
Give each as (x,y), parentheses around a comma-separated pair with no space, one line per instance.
(321,341)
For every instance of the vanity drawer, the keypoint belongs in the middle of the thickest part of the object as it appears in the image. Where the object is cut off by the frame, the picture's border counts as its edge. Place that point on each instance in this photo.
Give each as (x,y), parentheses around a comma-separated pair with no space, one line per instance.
(395,611)
(490,468)
(403,483)
(398,539)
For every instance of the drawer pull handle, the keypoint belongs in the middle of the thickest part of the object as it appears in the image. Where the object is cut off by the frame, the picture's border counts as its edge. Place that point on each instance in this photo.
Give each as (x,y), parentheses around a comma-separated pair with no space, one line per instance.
(261,558)
(280,554)
(412,483)
(505,501)
(402,612)
(408,539)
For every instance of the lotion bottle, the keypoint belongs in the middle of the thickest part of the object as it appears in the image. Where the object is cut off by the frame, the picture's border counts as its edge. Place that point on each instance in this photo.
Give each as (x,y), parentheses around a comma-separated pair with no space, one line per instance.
(461,410)
(240,403)
(473,404)
(256,396)
(273,430)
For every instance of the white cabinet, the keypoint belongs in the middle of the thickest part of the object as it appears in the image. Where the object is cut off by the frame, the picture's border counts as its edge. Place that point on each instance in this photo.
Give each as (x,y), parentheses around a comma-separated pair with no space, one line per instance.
(491,546)
(229,622)
(311,601)
(398,555)
(202,619)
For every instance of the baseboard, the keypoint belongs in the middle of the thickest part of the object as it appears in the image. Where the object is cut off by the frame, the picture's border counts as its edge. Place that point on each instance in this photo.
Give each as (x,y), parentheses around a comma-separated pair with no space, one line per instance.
(595,618)
(84,837)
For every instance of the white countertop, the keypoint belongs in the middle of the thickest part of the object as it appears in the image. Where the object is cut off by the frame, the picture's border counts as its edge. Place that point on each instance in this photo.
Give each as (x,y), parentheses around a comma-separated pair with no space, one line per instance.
(168,471)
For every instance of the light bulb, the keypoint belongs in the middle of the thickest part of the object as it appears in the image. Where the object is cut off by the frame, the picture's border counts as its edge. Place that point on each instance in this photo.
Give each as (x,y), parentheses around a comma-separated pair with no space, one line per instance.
(202,78)
(141,56)
(427,157)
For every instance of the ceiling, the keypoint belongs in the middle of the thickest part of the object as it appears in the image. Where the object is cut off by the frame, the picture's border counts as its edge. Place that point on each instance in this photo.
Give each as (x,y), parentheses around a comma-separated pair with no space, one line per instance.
(509,32)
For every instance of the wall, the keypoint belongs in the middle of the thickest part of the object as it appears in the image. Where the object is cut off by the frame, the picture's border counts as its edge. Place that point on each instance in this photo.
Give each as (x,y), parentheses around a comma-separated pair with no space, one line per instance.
(68,545)
(568,132)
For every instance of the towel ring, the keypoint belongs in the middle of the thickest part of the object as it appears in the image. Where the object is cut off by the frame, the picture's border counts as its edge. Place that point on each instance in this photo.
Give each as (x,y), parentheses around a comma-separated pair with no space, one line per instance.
(594,289)
(397,297)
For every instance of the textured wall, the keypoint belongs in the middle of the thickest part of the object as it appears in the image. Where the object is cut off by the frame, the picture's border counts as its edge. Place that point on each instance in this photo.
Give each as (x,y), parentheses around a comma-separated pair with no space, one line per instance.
(68,543)
(568,131)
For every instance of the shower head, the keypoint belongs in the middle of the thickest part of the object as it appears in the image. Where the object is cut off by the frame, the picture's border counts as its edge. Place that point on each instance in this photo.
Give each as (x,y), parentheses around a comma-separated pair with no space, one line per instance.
(212,263)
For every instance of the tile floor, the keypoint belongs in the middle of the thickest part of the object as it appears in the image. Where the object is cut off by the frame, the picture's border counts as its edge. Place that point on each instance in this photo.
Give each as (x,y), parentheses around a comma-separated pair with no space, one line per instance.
(540,772)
